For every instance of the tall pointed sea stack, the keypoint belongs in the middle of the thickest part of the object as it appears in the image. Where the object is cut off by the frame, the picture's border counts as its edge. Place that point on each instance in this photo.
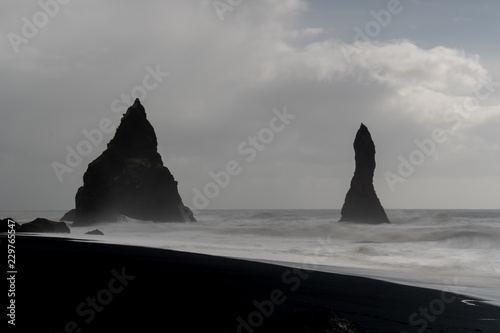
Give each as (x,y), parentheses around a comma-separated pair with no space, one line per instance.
(129,178)
(361,202)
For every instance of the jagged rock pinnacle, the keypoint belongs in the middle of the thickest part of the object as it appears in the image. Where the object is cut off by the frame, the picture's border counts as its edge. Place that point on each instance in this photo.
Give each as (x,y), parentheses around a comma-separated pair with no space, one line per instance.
(129,178)
(361,202)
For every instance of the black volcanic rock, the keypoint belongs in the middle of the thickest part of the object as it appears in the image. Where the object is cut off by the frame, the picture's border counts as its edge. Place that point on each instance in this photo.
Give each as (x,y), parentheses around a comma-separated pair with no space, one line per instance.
(95,232)
(44,226)
(361,202)
(69,216)
(129,178)
(4,225)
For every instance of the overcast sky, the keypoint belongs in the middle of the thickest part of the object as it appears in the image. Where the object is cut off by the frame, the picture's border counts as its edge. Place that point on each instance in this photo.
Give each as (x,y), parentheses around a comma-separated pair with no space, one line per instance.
(418,70)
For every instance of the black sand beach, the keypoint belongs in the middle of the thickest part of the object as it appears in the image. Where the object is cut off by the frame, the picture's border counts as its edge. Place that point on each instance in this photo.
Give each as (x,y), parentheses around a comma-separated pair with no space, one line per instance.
(64,285)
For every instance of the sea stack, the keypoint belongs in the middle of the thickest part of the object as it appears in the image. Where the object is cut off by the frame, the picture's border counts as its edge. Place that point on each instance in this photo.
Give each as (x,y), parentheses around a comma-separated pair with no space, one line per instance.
(129,178)
(361,202)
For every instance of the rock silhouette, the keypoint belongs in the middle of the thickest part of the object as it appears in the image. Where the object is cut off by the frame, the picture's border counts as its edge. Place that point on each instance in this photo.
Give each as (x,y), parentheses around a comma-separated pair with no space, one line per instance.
(129,178)
(4,225)
(69,216)
(361,202)
(44,226)
(40,225)
(95,232)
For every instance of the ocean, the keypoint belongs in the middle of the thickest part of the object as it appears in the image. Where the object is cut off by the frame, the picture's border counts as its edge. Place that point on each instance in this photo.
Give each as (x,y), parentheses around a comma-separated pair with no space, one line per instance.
(453,250)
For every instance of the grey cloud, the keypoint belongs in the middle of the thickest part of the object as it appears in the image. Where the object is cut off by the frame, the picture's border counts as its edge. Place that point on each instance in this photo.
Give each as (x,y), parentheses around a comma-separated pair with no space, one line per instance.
(225,79)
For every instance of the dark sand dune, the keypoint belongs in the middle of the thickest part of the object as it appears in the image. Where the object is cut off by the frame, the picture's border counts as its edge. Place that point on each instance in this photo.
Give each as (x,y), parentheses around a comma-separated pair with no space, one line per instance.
(71,286)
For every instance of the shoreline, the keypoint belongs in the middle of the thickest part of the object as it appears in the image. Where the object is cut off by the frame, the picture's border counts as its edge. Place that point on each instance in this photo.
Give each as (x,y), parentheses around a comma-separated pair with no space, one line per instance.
(482,294)
(475,287)
(69,285)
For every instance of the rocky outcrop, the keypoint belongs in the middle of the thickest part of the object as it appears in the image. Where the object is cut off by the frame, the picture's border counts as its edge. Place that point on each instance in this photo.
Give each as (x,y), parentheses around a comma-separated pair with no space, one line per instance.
(361,202)
(95,232)
(40,225)
(69,216)
(6,226)
(44,226)
(129,178)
